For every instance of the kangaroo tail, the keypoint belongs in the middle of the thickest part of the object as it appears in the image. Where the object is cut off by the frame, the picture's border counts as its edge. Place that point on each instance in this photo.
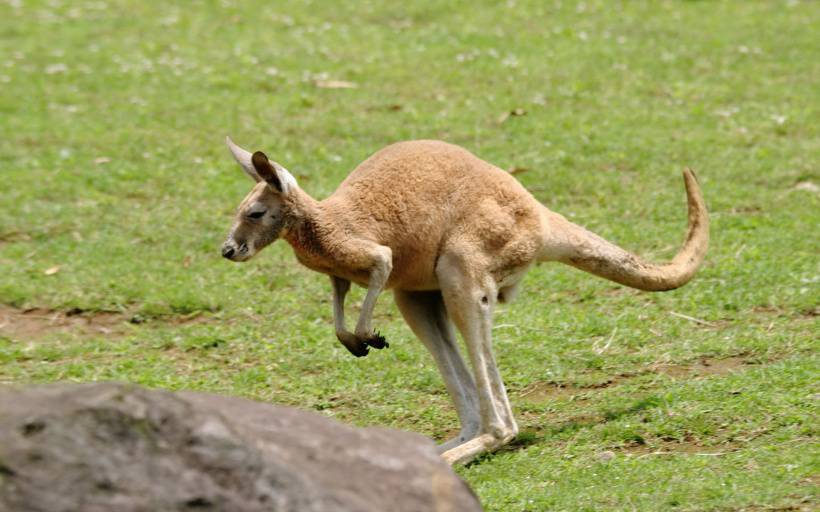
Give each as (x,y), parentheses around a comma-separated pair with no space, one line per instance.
(572,244)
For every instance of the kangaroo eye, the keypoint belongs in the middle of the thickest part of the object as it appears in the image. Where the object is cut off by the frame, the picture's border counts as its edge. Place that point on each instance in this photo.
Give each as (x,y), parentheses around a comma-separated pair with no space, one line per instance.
(256,215)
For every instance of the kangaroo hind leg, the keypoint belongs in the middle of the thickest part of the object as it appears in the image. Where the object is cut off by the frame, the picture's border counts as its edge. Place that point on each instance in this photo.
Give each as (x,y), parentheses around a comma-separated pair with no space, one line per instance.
(470,296)
(424,312)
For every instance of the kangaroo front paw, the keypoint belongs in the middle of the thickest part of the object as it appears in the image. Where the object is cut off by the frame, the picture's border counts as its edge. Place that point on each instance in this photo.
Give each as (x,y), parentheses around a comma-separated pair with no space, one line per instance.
(376,341)
(356,346)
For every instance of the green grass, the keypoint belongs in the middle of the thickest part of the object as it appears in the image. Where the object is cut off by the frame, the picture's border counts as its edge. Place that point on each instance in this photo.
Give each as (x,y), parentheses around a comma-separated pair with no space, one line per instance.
(618,97)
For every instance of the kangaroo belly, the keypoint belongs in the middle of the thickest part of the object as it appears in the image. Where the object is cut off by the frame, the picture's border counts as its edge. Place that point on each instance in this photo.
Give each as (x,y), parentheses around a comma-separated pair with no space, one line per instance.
(414,267)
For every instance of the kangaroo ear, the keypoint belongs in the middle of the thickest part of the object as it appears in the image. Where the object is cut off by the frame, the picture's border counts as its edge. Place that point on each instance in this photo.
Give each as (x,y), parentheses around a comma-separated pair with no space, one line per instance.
(243,158)
(259,168)
(266,170)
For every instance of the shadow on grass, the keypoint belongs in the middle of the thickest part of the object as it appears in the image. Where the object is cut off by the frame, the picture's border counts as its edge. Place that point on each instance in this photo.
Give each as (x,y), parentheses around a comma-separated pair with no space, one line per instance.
(586,421)
(531,437)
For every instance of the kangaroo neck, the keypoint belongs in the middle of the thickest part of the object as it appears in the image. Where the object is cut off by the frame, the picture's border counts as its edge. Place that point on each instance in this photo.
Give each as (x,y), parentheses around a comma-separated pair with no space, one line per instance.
(309,231)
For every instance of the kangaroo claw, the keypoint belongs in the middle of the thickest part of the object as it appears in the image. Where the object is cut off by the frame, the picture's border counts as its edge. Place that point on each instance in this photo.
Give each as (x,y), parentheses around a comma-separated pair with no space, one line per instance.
(377,341)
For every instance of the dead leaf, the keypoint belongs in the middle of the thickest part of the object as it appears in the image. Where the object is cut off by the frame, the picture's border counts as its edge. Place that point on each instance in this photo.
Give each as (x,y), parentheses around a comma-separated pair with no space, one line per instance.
(392,107)
(56,68)
(512,113)
(101,160)
(807,186)
(606,456)
(517,170)
(186,262)
(335,84)
(51,271)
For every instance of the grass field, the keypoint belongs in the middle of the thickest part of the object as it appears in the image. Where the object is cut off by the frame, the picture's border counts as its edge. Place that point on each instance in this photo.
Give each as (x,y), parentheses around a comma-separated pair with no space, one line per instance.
(116,192)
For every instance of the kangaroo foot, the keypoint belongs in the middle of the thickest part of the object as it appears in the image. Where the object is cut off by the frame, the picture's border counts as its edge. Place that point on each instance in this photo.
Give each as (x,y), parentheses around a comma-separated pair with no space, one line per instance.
(351,342)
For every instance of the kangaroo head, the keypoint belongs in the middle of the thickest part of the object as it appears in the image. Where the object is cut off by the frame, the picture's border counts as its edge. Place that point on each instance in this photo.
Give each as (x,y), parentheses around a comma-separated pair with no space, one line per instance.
(264,212)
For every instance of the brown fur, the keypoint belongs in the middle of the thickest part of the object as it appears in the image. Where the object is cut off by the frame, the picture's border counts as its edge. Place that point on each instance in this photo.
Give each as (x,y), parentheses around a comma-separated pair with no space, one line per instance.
(395,198)
(452,235)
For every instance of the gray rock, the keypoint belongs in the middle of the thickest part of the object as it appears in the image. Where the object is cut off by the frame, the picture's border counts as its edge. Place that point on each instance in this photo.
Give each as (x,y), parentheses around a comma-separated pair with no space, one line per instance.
(105,447)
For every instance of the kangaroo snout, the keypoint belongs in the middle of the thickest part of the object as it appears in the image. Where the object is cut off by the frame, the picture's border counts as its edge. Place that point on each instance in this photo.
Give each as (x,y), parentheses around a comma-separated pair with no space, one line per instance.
(235,251)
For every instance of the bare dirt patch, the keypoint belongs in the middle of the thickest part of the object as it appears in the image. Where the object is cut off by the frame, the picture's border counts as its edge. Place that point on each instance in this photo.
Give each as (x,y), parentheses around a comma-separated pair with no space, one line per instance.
(35,323)
(539,392)
(811,312)
(542,391)
(14,236)
(677,448)
(704,367)
(38,322)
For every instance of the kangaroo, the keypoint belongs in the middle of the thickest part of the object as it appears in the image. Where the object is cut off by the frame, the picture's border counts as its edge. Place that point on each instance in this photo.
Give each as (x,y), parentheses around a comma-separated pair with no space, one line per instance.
(452,236)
